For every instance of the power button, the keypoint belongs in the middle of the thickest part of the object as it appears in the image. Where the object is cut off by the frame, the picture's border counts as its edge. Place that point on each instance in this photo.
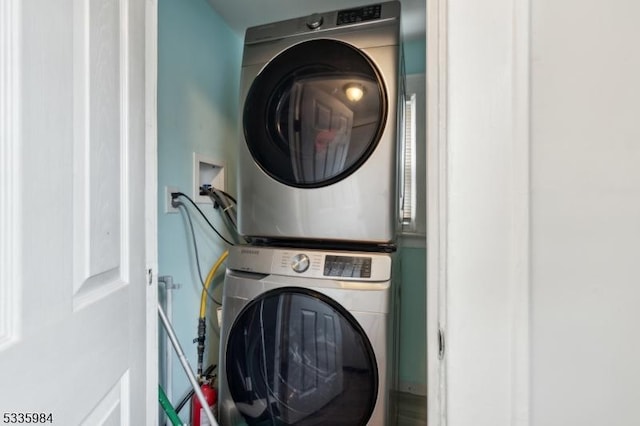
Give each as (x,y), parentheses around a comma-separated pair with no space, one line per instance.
(300,263)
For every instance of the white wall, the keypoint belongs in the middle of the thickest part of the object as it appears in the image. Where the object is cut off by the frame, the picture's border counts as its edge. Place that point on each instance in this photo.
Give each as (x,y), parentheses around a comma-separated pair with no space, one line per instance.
(543,212)
(585,199)
(486,223)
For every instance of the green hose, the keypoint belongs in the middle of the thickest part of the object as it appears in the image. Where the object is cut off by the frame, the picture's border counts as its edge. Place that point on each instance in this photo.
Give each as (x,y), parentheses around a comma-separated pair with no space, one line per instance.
(168,408)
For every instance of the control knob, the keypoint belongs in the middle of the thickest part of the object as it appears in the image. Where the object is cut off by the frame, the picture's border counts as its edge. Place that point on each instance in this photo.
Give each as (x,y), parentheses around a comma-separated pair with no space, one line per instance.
(314,21)
(300,263)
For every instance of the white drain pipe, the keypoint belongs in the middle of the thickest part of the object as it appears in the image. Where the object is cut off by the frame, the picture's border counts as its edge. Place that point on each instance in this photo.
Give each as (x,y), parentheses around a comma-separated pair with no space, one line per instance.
(187,368)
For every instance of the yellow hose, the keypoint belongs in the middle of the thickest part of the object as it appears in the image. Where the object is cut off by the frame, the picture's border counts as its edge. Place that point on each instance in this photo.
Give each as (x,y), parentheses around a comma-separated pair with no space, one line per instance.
(207,283)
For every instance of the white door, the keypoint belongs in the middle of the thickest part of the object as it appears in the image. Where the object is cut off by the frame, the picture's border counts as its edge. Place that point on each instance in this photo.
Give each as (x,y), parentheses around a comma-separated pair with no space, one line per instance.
(74,347)
(542,213)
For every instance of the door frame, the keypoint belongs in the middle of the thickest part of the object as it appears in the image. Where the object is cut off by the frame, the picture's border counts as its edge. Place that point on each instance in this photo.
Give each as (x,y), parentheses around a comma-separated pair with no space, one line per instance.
(436,253)
(151,206)
(478,56)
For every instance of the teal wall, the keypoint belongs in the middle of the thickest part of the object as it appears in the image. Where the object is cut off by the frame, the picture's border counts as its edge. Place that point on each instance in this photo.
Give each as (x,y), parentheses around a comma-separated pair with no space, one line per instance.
(415,56)
(198,84)
(412,362)
(413,347)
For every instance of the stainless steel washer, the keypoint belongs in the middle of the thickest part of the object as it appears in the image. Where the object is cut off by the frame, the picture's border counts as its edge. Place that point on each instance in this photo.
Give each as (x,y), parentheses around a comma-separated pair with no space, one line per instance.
(307,338)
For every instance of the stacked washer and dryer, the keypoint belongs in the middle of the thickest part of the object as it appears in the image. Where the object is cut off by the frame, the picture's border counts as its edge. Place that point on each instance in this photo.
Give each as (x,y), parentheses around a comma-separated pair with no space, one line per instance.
(309,303)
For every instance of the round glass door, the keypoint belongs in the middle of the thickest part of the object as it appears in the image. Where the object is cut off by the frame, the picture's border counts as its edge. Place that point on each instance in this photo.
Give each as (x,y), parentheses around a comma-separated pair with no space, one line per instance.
(296,357)
(315,113)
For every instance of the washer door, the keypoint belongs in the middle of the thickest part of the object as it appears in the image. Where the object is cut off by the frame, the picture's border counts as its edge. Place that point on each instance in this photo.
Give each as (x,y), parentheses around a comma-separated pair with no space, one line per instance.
(294,356)
(315,113)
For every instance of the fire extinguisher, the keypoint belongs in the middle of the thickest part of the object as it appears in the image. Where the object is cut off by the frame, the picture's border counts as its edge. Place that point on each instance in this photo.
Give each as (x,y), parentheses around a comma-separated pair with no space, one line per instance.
(198,416)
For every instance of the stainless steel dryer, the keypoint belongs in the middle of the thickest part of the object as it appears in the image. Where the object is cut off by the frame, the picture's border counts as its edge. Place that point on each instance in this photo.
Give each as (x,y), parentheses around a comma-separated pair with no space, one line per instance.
(319,149)
(307,338)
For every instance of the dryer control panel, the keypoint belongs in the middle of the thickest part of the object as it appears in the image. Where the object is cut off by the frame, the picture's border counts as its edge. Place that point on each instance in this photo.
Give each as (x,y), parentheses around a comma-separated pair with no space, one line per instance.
(361,14)
(384,16)
(296,262)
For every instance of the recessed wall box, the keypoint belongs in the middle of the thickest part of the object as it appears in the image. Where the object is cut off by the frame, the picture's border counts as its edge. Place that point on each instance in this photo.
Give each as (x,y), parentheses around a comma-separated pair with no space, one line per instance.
(207,171)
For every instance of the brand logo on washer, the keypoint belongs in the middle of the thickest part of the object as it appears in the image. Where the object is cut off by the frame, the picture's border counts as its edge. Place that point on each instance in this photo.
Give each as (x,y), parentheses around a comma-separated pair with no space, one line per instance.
(249,251)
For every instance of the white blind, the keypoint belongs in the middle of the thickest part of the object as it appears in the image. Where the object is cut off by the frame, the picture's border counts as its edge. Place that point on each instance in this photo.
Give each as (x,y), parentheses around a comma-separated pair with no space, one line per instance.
(409,165)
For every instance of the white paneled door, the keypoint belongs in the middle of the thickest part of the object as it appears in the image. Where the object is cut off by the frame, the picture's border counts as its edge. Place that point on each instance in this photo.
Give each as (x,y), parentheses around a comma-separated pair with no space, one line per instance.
(74,275)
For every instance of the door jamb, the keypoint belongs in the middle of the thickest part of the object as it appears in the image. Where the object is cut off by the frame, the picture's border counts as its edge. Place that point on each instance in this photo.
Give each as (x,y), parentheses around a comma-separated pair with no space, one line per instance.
(151,207)
(436,119)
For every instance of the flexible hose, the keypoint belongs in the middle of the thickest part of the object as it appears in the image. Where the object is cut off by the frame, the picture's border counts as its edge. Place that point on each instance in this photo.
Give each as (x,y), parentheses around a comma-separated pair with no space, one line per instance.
(207,283)
(168,408)
(202,323)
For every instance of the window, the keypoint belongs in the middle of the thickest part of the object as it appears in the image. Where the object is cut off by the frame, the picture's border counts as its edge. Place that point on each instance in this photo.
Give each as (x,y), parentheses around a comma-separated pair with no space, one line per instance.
(408,176)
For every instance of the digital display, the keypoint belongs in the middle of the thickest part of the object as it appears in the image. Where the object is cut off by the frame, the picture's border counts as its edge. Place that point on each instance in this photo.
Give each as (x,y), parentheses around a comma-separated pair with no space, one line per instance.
(347,266)
(358,15)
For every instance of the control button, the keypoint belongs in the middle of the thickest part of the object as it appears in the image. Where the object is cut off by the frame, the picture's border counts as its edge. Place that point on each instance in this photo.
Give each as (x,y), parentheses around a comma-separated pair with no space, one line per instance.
(314,21)
(300,263)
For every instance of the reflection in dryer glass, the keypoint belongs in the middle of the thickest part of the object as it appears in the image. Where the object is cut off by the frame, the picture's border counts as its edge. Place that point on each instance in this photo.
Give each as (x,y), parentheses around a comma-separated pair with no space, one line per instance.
(320,121)
(296,357)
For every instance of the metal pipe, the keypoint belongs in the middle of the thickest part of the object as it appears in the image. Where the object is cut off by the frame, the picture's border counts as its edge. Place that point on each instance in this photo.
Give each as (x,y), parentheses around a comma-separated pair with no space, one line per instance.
(187,368)
(166,287)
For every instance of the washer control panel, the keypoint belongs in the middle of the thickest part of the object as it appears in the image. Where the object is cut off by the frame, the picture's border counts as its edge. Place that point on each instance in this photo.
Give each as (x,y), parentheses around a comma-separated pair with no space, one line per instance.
(347,266)
(319,264)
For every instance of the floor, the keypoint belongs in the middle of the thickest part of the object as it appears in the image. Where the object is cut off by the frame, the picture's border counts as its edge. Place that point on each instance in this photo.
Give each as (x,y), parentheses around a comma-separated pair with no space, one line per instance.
(412,409)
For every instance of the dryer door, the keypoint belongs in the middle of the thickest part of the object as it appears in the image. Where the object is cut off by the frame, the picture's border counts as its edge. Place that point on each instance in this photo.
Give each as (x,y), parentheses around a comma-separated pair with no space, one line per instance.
(294,356)
(315,113)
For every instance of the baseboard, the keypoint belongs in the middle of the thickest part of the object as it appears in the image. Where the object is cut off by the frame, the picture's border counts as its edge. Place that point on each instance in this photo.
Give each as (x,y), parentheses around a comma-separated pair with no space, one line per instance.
(419,389)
